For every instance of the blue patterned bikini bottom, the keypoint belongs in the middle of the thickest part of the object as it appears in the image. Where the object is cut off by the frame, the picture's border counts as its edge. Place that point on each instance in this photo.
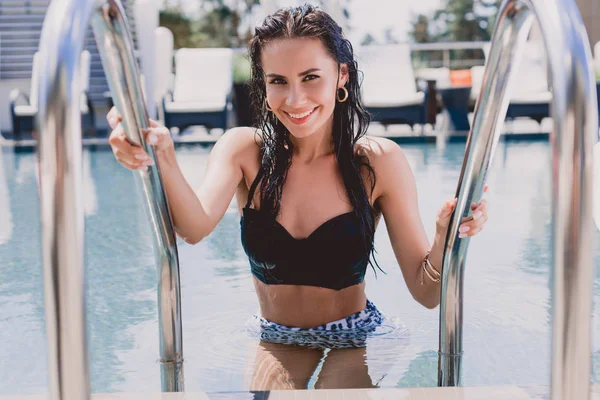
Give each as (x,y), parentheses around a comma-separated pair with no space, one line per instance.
(348,332)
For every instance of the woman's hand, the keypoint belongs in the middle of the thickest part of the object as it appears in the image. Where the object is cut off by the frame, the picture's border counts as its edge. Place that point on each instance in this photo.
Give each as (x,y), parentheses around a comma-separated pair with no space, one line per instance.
(471,225)
(131,156)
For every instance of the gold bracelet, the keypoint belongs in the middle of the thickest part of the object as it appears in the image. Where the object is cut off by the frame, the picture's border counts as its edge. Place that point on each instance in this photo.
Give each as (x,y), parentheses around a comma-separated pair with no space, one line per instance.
(429,270)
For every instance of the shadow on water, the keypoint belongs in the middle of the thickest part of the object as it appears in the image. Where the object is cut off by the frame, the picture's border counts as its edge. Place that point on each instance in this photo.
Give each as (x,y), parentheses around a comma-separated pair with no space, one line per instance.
(422,371)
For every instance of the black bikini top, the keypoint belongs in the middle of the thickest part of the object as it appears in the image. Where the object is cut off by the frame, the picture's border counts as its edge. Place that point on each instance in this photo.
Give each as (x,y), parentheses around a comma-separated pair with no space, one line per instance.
(333,256)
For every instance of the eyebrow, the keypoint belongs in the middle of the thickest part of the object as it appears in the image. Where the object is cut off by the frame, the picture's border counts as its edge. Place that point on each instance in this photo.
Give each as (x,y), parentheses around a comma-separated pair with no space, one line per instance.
(308,71)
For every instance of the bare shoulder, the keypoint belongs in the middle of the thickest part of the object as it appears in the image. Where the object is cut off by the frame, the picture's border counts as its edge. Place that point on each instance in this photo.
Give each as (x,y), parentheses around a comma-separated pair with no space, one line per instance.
(240,140)
(382,153)
(240,145)
(387,160)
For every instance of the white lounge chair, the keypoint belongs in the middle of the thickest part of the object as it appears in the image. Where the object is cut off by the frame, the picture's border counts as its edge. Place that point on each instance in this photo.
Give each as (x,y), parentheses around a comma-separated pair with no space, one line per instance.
(23,115)
(163,67)
(201,95)
(389,88)
(441,80)
(441,76)
(528,92)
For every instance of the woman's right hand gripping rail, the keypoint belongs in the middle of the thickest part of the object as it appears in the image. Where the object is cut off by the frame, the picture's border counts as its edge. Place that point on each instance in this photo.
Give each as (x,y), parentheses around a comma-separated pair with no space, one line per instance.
(195,214)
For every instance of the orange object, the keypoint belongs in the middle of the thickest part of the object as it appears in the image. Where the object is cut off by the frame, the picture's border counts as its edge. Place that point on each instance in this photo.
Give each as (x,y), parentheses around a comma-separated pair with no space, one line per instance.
(461,77)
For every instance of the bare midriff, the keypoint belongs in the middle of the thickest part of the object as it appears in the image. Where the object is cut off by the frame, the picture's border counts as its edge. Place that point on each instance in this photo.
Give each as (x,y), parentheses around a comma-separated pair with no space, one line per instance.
(308,306)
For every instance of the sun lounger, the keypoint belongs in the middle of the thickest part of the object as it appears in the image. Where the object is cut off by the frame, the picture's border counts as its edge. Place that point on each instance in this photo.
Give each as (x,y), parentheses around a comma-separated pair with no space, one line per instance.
(389,88)
(23,115)
(528,92)
(201,94)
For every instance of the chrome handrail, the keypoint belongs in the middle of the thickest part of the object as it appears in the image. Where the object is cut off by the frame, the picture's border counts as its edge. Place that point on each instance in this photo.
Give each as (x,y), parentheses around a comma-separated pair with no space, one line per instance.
(60,176)
(61,202)
(114,42)
(575,129)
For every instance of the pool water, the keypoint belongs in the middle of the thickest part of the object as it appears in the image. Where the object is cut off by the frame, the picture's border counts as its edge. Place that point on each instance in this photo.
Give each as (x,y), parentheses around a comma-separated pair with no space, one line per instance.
(507,312)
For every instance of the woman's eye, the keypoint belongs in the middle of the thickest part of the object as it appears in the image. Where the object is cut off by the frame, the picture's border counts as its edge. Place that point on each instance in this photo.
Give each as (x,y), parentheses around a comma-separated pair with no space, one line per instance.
(279,81)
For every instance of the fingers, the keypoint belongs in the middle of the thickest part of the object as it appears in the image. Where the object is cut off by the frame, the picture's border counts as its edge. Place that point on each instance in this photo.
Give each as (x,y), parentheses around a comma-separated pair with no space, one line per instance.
(153,123)
(443,216)
(131,157)
(472,227)
(447,208)
(113,117)
(473,224)
(158,136)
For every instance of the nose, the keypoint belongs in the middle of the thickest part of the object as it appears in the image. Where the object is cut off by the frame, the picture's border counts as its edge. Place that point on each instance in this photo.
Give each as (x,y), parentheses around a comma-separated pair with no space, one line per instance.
(296,96)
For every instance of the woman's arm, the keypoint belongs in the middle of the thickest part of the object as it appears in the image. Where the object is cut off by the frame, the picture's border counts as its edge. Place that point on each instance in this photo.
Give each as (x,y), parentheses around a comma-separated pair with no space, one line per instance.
(397,198)
(396,195)
(195,214)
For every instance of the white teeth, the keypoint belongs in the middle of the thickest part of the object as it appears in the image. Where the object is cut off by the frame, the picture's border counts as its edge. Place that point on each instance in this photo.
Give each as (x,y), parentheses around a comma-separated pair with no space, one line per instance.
(298,116)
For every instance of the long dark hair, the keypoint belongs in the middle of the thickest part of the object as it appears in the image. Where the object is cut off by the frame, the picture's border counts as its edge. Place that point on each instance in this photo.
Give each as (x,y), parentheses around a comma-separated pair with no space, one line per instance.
(350,119)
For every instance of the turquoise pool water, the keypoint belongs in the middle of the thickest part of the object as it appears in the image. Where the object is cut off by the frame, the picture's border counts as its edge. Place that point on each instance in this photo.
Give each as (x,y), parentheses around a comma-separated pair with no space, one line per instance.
(507,298)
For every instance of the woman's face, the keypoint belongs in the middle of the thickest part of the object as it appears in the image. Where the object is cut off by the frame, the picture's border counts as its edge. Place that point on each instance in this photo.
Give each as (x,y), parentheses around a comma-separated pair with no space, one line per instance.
(301,80)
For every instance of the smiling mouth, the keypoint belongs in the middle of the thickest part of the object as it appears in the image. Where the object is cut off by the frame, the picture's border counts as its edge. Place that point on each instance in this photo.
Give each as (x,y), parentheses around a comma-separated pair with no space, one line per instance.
(302,115)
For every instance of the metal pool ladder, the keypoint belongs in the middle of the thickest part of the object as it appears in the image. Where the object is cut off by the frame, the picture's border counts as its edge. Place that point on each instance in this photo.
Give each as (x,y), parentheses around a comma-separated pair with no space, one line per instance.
(575,132)
(59,153)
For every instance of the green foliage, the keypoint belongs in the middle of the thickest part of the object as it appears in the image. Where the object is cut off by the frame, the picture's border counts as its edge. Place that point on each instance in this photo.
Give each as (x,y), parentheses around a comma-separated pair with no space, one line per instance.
(241,68)
(218,26)
(466,20)
(457,21)
(420,30)
(223,23)
(181,26)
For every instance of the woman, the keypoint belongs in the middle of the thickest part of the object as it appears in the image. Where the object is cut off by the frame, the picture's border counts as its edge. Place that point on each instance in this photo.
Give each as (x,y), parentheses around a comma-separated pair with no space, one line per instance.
(311,188)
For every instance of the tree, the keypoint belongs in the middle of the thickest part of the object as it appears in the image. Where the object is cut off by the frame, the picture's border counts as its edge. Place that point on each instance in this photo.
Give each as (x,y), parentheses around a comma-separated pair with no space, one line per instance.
(457,21)
(180,25)
(225,23)
(219,24)
(420,30)
(466,20)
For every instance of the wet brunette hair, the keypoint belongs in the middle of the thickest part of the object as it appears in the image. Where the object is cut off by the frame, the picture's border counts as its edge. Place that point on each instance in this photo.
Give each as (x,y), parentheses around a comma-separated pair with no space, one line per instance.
(350,119)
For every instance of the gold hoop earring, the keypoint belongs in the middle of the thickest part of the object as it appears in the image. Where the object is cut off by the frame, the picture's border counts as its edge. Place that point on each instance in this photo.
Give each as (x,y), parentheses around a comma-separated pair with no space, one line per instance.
(337,94)
(267,105)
